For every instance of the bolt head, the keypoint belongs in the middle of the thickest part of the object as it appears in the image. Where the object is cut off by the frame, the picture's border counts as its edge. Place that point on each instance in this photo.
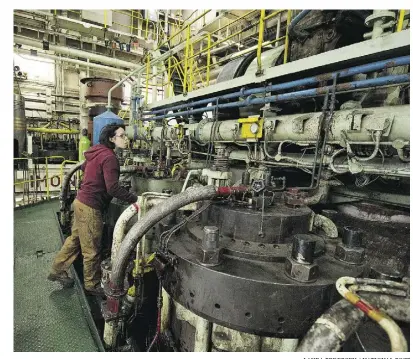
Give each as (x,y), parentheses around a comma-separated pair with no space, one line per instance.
(349,255)
(300,272)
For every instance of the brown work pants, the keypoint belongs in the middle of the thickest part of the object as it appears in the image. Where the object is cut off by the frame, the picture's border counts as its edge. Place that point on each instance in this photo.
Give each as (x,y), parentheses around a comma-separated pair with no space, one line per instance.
(86,236)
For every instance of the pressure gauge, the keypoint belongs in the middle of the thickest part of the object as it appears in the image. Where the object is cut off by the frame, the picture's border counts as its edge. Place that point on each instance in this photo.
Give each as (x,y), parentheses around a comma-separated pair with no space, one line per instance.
(254,128)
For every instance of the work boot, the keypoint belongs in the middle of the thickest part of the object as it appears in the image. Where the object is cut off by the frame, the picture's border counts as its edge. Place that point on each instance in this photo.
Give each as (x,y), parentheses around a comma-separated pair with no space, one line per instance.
(96,291)
(63,278)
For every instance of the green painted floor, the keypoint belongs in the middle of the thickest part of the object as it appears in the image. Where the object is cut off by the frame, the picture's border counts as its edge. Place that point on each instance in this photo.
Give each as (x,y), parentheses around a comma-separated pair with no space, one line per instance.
(47,318)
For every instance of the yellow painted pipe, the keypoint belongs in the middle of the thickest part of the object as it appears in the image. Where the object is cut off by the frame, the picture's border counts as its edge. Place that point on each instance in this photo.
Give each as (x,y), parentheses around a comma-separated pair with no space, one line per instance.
(183,29)
(53,130)
(400,21)
(274,14)
(260,39)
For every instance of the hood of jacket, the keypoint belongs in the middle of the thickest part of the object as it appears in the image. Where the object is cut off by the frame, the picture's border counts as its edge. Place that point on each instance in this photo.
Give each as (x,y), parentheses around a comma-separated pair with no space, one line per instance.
(96,151)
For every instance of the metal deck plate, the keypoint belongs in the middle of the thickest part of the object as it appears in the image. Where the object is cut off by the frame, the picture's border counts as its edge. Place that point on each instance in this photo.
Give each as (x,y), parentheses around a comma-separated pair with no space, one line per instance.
(46,317)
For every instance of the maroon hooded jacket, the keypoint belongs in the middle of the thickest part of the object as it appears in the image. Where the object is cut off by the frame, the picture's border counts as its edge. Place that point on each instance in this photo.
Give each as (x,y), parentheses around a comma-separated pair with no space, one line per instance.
(101,179)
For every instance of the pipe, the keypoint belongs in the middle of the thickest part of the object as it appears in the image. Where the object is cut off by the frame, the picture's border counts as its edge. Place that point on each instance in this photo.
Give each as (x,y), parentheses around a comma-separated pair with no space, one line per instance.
(295,21)
(201,325)
(119,230)
(73,61)
(314,92)
(371,67)
(326,224)
(134,235)
(156,214)
(397,339)
(53,130)
(321,192)
(166,311)
(400,153)
(74,52)
(202,335)
(189,175)
(138,72)
(356,212)
(341,320)
(376,133)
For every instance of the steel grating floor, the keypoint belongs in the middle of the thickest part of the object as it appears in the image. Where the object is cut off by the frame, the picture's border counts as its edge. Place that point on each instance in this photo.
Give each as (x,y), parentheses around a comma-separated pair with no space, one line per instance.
(47,318)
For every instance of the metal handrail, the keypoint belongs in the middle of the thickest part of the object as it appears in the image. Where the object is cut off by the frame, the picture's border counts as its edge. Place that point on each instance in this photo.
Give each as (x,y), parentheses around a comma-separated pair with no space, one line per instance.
(400,20)
(47,178)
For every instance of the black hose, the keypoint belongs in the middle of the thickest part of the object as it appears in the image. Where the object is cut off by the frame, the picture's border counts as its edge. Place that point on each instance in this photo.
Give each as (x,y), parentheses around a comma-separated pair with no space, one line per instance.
(65,185)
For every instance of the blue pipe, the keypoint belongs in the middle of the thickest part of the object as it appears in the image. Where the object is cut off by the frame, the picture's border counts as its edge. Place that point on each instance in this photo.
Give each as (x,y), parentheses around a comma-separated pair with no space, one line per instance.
(295,21)
(348,86)
(398,61)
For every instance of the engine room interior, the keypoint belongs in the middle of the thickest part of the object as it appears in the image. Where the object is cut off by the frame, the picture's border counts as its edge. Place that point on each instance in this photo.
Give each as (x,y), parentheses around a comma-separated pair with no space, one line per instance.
(272,169)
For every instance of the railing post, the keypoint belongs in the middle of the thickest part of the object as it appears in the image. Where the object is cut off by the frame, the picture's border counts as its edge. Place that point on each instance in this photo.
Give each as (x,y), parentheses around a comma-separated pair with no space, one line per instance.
(260,39)
(400,21)
(286,45)
(186,58)
(147,79)
(208,58)
(47,179)
(169,77)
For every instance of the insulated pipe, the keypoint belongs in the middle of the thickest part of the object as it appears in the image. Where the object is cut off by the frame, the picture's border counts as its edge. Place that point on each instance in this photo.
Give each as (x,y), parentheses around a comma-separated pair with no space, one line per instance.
(119,230)
(74,52)
(340,321)
(188,177)
(321,192)
(326,224)
(284,127)
(320,91)
(154,215)
(398,61)
(397,339)
(74,61)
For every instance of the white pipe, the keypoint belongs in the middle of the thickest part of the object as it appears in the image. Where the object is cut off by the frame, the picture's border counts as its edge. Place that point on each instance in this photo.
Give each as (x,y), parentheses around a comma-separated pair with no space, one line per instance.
(397,339)
(288,345)
(202,336)
(119,231)
(118,235)
(326,224)
(109,333)
(166,310)
(74,52)
(201,325)
(189,175)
